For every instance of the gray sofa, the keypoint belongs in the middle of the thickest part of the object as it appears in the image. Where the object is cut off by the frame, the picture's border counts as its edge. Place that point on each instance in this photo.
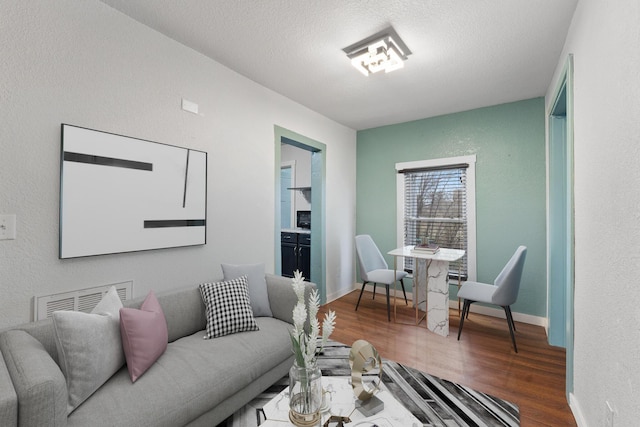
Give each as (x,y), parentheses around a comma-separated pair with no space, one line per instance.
(196,382)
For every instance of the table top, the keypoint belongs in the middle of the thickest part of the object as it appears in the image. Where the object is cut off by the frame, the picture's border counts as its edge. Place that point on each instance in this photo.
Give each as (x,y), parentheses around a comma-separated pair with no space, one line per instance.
(296,230)
(341,401)
(444,254)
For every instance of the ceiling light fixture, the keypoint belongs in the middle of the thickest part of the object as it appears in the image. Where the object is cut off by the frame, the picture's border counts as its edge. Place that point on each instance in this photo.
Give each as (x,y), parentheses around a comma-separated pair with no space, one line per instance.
(382,51)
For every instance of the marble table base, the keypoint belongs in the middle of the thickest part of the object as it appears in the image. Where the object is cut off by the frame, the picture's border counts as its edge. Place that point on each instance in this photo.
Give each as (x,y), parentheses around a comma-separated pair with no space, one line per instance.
(432,277)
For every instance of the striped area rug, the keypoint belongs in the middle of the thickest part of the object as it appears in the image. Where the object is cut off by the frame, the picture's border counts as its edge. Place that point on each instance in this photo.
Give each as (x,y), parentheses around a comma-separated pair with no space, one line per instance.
(432,400)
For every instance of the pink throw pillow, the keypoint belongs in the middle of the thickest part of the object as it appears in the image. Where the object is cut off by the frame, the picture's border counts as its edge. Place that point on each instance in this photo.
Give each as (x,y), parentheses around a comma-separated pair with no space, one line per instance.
(144,335)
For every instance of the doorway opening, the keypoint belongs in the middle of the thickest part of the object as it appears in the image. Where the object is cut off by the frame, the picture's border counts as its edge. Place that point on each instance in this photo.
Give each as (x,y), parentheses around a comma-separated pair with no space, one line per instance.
(560,254)
(287,197)
(300,206)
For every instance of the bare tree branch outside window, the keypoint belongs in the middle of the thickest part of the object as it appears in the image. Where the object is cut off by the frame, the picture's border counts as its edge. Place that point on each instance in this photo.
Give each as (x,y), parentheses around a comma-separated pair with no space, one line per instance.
(435,211)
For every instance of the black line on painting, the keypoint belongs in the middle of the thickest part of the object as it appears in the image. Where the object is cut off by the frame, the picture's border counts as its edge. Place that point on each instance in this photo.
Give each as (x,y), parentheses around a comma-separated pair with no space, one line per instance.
(106,161)
(186,174)
(164,223)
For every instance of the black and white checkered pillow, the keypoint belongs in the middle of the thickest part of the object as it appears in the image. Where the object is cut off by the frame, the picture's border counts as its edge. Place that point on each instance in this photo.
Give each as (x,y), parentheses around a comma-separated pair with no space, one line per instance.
(228,307)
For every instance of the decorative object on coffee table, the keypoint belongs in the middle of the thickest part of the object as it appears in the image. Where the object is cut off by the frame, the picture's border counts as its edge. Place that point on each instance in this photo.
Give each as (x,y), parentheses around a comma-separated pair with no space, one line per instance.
(305,379)
(364,359)
(305,391)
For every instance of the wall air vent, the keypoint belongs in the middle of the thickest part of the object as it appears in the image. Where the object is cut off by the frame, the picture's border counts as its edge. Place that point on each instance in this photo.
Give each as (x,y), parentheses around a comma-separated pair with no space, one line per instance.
(80,300)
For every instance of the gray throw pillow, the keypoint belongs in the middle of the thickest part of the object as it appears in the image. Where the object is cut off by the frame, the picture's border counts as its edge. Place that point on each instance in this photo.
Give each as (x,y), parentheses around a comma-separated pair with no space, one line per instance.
(89,347)
(257,283)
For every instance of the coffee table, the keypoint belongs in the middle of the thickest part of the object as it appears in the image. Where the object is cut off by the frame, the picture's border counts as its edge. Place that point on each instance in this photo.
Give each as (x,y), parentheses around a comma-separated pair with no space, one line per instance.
(340,400)
(432,400)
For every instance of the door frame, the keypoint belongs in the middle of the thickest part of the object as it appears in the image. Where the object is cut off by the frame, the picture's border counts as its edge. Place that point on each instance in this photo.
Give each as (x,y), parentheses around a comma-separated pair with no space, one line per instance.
(318,203)
(561,219)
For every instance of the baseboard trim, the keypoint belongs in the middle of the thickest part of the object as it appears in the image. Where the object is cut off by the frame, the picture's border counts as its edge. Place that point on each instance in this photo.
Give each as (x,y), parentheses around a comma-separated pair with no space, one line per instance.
(498,312)
(574,405)
(475,308)
(336,295)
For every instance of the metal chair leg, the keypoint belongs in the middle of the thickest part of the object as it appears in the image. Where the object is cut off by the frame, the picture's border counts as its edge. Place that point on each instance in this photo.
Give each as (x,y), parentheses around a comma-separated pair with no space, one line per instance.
(374,290)
(361,291)
(388,304)
(507,311)
(511,315)
(404,292)
(465,310)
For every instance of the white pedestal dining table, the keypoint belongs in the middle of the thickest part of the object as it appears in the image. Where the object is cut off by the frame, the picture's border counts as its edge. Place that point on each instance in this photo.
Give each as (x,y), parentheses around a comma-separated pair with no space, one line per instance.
(430,285)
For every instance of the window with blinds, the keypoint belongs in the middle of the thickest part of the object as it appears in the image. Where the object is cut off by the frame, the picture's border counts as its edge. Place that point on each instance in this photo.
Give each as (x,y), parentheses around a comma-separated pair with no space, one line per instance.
(435,211)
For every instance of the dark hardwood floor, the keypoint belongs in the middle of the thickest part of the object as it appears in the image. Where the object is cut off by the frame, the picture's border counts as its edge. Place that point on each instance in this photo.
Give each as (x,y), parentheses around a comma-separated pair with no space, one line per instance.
(483,359)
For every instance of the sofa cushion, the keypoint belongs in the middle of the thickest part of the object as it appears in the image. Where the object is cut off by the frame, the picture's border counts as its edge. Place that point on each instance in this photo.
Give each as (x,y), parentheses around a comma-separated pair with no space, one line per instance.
(228,307)
(183,309)
(89,346)
(144,335)
(192,377)
(256,282)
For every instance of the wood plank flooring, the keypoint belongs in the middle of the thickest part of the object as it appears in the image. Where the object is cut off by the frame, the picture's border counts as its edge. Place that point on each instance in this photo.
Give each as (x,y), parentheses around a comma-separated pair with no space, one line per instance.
(483,359)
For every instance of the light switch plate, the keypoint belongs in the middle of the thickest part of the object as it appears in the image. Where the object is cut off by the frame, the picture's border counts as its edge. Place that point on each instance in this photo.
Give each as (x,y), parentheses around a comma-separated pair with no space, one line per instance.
(7,227)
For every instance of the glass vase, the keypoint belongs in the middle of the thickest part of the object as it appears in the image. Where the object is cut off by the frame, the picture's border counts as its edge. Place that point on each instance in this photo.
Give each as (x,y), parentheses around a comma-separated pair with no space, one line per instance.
(305,395)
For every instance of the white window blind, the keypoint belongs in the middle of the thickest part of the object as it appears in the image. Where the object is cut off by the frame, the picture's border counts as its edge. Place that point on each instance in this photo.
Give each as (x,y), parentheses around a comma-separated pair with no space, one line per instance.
(435,210)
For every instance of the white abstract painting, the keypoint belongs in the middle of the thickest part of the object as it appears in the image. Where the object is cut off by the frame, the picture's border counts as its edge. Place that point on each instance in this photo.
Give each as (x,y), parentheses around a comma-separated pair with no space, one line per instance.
(122,194)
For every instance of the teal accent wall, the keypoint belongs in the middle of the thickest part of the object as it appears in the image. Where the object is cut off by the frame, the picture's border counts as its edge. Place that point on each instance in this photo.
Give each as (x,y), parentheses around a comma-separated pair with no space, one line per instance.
(509,143)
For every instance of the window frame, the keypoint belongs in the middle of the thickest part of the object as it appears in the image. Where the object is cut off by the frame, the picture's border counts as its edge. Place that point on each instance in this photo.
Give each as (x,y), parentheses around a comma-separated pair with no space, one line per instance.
(471,202)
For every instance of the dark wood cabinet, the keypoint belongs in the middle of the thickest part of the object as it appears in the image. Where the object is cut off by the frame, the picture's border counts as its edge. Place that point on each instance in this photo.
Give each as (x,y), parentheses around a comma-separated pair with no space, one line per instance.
(289,248)
(296,254)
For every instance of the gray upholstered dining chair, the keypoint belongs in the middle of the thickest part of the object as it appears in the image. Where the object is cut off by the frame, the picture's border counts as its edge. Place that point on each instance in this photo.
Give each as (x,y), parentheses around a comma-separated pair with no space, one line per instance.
(503,292)
(373,268)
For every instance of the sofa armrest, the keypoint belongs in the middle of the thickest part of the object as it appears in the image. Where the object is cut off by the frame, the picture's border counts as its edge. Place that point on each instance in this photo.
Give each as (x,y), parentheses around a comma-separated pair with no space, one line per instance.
(282,298)
(38,381)
(8,397)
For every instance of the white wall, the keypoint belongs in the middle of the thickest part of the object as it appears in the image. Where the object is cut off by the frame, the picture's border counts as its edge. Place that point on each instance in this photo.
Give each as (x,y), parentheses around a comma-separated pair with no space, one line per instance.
(83,63)
(604,38)
(302,159)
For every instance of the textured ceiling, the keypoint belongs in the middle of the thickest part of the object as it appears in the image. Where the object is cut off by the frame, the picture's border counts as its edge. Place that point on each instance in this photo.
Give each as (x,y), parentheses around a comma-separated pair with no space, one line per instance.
(466,53)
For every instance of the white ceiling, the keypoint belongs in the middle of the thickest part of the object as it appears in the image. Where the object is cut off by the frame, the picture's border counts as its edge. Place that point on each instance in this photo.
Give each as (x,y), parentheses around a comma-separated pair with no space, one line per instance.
(466,53)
